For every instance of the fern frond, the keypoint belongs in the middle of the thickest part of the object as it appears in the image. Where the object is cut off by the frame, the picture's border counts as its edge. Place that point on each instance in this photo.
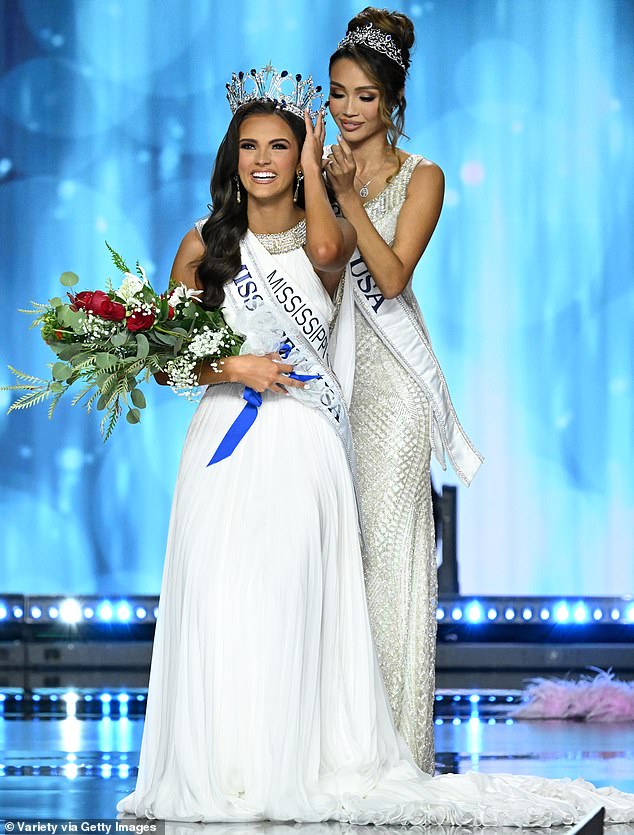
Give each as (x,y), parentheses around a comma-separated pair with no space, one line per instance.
(28,377)
(81,394)
(37,321)
(88,363)
(111,420)
(30,399)
(117,260)
(38,310)
(89,403)
(120,390)
(134,368)
(53,403)
(153,363)
(109,386)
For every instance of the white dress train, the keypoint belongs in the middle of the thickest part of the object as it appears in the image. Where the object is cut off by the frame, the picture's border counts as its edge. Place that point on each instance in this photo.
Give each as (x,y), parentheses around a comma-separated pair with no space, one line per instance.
(265,699)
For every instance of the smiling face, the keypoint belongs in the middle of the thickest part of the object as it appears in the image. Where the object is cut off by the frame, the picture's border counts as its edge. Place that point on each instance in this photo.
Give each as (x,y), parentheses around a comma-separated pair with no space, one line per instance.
(268,157)
(354,101)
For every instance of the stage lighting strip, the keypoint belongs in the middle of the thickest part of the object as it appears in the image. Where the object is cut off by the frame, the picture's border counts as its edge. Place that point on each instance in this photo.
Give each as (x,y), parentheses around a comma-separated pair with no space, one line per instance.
(73,769)
(105,611)
(546,610)
(60,704)
(110,766)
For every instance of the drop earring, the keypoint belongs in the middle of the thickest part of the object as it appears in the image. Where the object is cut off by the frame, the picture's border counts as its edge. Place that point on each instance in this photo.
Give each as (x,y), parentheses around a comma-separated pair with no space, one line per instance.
(237,182)
(300,177)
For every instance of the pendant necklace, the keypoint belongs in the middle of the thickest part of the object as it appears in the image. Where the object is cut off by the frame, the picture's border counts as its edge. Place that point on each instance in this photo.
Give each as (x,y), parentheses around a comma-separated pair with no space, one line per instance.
(364,191)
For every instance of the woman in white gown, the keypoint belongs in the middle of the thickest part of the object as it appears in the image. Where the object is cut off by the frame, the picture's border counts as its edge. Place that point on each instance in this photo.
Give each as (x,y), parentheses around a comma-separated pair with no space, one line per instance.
(265,698)
(400,410)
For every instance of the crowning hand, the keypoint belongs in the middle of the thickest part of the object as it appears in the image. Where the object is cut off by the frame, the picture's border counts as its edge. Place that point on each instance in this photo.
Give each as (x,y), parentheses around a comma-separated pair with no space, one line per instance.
(340,167)
(313,148)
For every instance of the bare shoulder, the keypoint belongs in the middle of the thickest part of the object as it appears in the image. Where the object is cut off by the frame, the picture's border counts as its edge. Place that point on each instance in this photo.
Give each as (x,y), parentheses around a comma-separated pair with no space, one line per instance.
(426,180)
(427,171)
(192,244)
(189,253)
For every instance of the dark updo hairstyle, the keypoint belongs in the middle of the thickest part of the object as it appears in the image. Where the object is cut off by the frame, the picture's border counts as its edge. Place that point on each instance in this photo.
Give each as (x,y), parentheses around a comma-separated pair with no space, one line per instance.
(227,223)
(388,76)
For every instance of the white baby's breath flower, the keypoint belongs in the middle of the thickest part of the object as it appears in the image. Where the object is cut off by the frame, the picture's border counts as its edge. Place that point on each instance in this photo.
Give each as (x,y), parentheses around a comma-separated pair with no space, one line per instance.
(182,377)
(207,343)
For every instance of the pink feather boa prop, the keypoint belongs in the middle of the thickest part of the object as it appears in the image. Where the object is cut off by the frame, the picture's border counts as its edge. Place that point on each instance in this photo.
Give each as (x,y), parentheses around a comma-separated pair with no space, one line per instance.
(599,699)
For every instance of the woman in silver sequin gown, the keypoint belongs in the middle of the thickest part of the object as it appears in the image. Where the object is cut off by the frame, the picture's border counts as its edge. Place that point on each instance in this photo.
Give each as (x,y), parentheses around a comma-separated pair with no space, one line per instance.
(393,199)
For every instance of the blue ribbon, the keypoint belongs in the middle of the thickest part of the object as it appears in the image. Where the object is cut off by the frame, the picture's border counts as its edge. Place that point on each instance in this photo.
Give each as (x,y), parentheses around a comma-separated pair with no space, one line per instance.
(240,425)
(247,416)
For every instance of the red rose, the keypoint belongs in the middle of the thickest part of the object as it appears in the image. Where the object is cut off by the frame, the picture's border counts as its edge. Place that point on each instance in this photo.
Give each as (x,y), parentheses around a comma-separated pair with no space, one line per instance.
(81,300)
(170,312)
(59,334)
(140,321)
(102,305)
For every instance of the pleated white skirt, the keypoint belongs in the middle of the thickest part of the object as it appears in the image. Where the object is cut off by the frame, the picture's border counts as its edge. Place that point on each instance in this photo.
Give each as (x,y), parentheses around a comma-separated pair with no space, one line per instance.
(265,698)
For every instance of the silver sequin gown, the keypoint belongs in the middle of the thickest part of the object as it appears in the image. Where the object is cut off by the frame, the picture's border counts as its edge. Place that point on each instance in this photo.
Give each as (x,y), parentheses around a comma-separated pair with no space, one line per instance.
(391,426)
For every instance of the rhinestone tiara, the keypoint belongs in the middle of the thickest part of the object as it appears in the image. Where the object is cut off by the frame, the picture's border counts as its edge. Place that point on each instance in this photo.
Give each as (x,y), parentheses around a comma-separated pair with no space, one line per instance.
(288,92)
(375,39)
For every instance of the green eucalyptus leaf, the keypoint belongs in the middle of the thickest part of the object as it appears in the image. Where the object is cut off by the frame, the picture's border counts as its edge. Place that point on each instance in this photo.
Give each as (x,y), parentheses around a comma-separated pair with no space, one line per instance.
(133,416)
(69,279)
(55,302)
(164,338)
(75,318)
(105,360)
(68,351)
(142,346)
(63,316)
(138,398)
(61,371)
(101,403)
(57,387)
(119,339)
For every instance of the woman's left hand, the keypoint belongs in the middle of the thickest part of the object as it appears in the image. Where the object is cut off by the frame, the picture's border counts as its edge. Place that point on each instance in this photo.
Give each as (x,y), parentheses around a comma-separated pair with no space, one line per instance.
(313,148)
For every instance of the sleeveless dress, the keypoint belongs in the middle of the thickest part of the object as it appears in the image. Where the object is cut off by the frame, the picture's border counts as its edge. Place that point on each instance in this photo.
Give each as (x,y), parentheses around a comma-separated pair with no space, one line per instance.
(265,699)
(391,425)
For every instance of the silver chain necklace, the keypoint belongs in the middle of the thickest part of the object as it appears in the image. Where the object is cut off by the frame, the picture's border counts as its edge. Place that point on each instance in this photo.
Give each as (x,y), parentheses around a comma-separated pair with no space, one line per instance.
(364,191)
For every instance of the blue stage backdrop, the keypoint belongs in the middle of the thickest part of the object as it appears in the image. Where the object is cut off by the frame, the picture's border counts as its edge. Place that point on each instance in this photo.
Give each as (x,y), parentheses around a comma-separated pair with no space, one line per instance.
(110,113)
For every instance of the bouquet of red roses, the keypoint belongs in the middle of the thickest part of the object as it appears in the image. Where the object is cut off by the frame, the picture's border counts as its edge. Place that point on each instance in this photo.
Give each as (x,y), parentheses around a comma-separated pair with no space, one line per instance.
(110,342)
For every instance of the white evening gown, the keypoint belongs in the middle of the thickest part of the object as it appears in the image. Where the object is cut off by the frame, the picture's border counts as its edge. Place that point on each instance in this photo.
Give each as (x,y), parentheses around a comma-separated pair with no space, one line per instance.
(391,428)
(265,698)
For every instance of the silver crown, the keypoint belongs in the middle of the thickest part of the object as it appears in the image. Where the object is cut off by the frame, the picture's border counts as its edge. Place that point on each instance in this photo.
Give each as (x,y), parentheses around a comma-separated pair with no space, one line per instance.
(288,92)
(375,39)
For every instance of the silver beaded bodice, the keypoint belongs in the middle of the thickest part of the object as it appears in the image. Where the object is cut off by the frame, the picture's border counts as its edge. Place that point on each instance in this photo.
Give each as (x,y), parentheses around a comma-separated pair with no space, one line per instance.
(391,423)
(384,209)
(278,243)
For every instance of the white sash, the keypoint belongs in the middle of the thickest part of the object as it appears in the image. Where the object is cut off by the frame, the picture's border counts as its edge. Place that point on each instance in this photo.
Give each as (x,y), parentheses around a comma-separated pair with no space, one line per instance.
(263,288)
(399,329)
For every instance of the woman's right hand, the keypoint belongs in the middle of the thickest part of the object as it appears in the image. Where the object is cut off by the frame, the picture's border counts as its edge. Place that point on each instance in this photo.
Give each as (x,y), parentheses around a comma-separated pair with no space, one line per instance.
(341,169)
(261,373)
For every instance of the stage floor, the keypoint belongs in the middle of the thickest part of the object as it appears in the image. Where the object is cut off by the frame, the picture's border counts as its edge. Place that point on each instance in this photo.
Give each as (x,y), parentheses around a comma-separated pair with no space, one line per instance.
(77,768)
